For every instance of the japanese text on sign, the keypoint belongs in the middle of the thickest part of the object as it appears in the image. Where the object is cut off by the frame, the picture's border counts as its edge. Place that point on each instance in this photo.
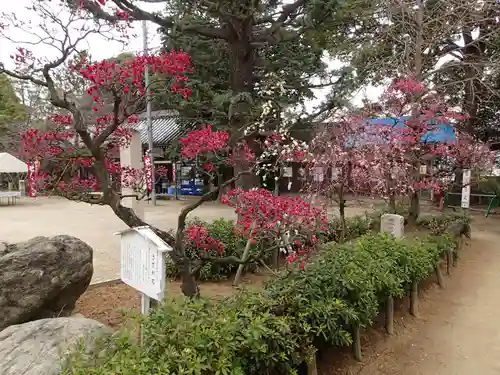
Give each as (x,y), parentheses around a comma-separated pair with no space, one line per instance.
(148,172)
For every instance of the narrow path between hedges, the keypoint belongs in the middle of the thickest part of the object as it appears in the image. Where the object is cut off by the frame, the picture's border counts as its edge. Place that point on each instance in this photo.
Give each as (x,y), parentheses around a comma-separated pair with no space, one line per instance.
(458,329)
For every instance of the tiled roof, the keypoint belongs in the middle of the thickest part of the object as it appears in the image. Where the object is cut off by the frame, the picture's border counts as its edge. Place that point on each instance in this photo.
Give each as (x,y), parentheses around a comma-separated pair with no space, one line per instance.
(165,129)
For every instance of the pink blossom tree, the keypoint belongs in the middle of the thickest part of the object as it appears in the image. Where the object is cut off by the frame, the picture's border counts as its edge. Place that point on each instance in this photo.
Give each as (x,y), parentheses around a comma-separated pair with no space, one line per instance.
(418,129)
(337,165)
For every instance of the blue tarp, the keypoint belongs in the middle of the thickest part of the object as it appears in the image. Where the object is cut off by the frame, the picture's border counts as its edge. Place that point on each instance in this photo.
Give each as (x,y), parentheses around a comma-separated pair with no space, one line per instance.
(440,133)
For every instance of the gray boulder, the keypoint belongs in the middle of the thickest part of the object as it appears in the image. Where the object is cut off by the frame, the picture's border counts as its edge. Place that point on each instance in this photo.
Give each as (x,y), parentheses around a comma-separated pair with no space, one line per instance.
(42,278)
(39,347)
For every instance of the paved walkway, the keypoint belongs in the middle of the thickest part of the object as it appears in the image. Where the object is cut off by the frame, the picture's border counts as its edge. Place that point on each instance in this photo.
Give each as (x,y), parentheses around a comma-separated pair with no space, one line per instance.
(94,224)
(458,329)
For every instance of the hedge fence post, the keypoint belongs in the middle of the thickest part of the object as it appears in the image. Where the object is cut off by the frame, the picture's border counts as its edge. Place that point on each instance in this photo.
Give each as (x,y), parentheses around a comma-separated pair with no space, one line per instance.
(389,315)
(414,298)
(449,261)
(439,275)
(393,224)
(356,342)
(312,368)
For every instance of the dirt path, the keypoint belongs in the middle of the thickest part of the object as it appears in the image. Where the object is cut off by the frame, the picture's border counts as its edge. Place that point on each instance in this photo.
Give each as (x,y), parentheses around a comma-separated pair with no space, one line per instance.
(458,329)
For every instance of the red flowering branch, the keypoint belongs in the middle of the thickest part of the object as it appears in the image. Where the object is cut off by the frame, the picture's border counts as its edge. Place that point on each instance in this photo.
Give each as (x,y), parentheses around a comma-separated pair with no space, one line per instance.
(78,155)
(199,236)
(280,220)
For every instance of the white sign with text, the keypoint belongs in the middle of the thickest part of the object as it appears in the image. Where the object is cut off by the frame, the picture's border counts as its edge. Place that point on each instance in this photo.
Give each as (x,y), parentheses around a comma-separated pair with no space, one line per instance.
(143,261)
(466,188)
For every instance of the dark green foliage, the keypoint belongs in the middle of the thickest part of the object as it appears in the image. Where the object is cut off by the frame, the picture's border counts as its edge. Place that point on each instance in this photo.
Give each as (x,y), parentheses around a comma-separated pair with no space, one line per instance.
(11,109)
(239,335)
(12,112)
(291,54)
(271,332)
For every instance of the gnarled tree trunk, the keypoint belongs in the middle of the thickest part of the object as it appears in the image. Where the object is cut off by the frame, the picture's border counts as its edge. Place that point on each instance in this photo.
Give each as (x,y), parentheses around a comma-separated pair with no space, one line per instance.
(242,59)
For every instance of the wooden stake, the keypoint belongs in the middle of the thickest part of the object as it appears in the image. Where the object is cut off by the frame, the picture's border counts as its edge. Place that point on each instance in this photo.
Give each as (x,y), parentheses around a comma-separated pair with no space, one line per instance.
(244,257)
(439,275)
(414,299)
(455,253)
(449,261)
(312,368)
(356,343)
(389,315)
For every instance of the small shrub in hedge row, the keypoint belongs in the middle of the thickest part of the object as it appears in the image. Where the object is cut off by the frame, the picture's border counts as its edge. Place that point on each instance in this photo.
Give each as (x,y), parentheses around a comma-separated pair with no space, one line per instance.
(360,273)
(438,224)
(355,226)
(271,331)
(239,335)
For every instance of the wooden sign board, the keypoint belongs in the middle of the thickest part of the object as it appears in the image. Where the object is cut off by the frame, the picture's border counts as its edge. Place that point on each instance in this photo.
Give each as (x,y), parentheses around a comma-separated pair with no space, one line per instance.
(143,261)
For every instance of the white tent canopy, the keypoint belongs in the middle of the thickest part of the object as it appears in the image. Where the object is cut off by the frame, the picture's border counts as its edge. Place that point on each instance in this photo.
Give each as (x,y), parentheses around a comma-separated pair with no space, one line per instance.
(11,164)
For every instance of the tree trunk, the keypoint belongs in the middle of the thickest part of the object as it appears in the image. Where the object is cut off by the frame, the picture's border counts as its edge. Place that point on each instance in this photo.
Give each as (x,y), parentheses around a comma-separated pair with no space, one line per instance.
(342,214)
(246,251)
(189,285)
(392,204)
(472,55)
(242,59)
(246,181)
(220,181)
(414,211)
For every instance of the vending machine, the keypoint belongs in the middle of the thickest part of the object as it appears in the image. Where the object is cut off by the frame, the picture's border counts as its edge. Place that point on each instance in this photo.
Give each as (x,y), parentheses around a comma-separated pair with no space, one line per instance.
(191,182)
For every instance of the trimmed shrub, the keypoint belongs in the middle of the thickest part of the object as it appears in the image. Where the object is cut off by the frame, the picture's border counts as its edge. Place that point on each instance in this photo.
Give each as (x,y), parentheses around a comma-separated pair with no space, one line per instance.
(355,226)
(438,224)
(271,331)
(239,335)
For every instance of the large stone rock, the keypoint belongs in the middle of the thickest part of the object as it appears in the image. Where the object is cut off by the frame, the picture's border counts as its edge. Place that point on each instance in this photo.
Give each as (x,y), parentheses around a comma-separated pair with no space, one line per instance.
(42,278)
(39,347)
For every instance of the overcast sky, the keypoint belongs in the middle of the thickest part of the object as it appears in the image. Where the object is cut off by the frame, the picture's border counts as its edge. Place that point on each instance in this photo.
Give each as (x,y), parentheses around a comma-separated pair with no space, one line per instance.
(101,48)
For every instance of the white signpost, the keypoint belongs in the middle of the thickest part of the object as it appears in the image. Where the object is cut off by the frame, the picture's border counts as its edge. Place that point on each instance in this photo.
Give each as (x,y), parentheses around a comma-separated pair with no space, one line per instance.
(466,188)
(393,224)
(143,262)
(318,174)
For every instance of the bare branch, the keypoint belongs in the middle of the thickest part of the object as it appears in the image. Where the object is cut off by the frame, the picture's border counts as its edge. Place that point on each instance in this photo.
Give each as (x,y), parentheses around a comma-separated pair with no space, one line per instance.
(136,13)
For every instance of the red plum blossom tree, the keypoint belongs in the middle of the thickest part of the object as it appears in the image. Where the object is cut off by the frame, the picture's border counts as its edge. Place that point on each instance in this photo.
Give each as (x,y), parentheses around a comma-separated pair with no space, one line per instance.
(81,150)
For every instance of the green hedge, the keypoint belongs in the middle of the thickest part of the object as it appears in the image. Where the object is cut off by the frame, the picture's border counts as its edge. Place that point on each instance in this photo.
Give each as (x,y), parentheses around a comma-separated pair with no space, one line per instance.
(437,224)
(272,331)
